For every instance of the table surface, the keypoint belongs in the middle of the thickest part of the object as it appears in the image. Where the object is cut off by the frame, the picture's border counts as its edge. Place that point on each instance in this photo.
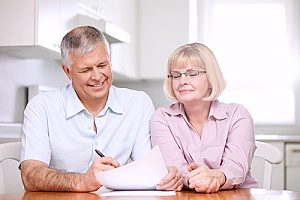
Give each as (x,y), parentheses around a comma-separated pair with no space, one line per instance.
(239,194)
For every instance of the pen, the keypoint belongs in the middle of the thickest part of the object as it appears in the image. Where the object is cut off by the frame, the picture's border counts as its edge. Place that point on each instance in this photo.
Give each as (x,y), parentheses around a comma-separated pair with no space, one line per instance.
(99,153)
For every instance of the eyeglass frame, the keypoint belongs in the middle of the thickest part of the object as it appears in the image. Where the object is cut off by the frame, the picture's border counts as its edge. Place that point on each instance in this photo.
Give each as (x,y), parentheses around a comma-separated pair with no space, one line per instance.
(199,72)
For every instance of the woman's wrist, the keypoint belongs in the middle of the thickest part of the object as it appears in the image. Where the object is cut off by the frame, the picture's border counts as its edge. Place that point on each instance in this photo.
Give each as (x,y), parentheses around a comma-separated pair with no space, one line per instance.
(220,176)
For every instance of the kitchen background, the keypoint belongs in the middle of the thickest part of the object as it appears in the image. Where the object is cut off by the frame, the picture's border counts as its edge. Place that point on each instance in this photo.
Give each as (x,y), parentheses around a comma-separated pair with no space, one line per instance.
(144,33)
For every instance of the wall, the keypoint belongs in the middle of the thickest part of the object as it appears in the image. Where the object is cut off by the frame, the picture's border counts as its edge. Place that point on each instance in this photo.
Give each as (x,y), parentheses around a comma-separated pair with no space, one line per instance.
(154,88)
(16,74)
(162,27)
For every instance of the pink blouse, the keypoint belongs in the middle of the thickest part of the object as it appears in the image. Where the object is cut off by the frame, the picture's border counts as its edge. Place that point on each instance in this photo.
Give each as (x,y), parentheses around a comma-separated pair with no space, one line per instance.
(227,142)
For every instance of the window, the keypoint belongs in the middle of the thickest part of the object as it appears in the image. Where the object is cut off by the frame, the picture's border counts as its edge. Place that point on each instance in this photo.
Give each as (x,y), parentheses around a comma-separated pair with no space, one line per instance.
(253,42)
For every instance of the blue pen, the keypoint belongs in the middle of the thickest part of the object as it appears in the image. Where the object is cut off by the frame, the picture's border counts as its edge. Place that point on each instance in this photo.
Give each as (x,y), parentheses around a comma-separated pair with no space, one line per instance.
(99,153)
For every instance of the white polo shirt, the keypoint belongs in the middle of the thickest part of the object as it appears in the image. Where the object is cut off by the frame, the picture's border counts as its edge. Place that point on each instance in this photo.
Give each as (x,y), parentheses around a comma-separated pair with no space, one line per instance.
(58,130)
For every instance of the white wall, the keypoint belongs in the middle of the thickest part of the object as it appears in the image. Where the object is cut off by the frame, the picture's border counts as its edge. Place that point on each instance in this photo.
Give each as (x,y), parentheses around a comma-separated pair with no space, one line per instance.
(162,27)
(154,88)
(15,75)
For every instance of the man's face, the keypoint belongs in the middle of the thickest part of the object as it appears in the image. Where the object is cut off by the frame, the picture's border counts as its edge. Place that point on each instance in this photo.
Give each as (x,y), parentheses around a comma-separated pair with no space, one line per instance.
(91,75)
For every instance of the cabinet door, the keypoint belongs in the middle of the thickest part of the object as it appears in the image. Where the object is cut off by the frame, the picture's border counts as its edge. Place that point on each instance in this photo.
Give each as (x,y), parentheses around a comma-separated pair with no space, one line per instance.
(47,26)
(30,29)
(69,11)
(17,22)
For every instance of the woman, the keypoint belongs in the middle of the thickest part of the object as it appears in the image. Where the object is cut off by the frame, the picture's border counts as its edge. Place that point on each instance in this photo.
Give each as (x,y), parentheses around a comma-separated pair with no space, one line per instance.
(210,142)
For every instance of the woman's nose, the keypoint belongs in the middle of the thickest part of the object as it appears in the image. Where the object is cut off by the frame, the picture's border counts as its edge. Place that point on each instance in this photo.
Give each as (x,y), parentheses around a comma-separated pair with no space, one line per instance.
(183,79)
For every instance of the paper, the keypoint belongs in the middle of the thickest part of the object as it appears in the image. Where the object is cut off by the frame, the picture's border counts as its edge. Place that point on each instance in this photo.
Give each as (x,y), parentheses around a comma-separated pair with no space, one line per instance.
(141,174)
(139,193)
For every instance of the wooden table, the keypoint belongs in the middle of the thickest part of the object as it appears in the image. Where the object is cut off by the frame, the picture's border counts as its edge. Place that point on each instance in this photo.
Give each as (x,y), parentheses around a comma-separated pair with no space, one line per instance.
(239,194)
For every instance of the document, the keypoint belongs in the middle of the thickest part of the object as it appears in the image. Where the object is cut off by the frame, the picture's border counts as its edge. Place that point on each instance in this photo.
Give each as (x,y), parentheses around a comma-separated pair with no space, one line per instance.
(138,193)
(142,174)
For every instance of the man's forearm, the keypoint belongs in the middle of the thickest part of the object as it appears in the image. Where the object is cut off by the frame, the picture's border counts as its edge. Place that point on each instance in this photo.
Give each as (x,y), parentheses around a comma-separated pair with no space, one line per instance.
(42,178)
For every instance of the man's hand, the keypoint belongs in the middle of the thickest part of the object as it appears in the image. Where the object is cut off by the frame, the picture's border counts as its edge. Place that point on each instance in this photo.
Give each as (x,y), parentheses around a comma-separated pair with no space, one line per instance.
(203,179)
(172,181)
(90,181)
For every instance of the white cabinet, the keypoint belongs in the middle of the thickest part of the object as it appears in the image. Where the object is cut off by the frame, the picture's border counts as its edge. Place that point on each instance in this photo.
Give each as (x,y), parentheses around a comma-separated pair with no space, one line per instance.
(292,166)
(35,28)
(30,28)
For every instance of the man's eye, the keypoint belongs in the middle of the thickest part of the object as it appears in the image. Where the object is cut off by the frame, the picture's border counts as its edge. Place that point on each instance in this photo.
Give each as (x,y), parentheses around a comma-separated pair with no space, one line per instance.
(101,66)
(84,70)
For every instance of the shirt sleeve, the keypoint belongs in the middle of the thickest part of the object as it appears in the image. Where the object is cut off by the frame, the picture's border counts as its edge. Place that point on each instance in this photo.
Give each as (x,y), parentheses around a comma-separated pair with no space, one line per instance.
(239,149)
(142,142)
(35,141)
(163,137)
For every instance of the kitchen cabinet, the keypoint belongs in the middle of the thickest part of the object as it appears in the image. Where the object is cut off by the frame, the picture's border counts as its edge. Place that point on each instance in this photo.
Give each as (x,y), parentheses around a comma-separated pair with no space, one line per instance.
(292,168)
(35,28)
(285,174)
(29,28)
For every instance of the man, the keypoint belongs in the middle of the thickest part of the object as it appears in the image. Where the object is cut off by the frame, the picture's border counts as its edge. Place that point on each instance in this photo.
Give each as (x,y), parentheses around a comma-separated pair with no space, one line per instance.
(62,128)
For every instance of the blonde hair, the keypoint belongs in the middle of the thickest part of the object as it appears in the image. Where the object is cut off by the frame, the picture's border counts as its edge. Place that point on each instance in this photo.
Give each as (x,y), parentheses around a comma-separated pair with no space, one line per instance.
(204,58)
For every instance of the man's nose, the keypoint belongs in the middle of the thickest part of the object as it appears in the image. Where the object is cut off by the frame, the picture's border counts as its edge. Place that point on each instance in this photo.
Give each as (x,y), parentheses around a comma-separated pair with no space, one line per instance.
(96,74)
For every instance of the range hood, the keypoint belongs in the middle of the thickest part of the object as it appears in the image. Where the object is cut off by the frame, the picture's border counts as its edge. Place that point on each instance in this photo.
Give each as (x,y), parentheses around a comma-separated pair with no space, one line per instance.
(112,32)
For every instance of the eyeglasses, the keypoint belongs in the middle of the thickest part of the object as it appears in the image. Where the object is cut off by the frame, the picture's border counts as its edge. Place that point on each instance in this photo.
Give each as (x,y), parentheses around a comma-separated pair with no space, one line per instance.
(190,73)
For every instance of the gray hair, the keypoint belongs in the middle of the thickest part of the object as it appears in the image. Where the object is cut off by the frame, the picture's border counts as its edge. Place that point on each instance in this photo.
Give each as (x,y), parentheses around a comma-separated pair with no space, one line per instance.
(81,40)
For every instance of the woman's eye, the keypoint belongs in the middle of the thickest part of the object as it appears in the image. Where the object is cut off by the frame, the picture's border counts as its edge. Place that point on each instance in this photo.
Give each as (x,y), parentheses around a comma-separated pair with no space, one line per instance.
(193,73)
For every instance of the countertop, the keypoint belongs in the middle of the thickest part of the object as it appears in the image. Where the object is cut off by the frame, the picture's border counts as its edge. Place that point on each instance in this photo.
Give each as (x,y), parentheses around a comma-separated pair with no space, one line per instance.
(12,132)
(278,138)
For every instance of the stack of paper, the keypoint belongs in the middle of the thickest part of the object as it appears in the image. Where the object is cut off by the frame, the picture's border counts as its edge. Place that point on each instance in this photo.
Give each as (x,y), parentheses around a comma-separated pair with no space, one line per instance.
(142,174)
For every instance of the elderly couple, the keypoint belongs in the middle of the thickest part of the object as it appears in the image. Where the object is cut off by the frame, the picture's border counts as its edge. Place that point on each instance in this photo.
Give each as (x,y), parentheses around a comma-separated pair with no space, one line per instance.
(207,145)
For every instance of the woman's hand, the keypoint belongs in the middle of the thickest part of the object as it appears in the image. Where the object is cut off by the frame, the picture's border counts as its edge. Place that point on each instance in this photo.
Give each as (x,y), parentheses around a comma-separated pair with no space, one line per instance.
(203,179)
(173,180)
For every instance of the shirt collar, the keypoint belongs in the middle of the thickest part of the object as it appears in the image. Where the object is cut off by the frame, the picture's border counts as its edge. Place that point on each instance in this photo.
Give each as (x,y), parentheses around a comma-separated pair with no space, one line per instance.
(112,102)
(217,110)
(75,106)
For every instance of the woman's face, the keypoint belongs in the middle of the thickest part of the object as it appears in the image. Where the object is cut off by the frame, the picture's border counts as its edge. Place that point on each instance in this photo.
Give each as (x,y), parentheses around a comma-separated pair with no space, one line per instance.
(189,83)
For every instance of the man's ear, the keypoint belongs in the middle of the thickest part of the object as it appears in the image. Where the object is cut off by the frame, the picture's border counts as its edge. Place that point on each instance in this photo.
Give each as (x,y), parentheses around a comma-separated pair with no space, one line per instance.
(66,70)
